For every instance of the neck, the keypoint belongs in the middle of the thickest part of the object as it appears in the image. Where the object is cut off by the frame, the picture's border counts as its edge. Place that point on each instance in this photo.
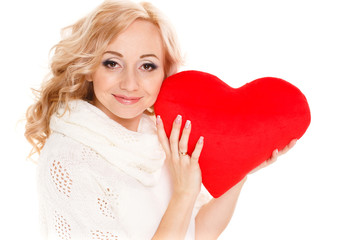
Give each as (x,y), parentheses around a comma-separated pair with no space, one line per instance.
(130,124)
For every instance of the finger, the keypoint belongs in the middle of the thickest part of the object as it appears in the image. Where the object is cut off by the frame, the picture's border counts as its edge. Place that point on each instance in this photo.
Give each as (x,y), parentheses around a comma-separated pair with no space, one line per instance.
(262,165)
(274,156)
(292,143)
(266,163)
(162,135)
(183,144)
(174,137)
(288,147)
(197,151)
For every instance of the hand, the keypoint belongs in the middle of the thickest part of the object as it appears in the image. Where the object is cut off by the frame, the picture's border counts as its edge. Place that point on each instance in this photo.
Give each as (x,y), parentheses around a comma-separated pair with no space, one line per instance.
(274,156)
(185,170)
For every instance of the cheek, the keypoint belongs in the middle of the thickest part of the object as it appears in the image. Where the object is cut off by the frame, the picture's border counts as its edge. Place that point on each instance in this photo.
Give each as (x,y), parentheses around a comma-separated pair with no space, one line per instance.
(102,81)
(153,87)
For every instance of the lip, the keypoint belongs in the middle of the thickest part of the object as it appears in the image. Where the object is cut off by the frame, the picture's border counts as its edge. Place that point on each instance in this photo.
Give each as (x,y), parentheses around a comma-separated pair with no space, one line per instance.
(126,100)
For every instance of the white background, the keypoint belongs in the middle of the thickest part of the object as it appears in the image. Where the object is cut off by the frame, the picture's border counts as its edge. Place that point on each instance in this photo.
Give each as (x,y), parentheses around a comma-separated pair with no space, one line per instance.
(312,192)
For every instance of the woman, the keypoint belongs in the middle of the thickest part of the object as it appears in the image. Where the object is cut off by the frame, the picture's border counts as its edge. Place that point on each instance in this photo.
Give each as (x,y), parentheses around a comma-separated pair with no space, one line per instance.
(106,169)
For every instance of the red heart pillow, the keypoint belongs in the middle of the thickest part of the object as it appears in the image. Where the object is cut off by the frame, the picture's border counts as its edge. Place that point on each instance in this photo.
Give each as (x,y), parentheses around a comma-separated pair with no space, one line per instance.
(241,126)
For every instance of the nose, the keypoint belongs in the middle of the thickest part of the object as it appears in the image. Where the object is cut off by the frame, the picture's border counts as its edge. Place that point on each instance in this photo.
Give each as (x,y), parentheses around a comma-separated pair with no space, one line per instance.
(129,81)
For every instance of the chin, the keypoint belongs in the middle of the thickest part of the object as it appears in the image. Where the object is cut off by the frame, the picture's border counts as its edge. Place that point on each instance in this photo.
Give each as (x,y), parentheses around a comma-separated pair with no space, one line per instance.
(128,114)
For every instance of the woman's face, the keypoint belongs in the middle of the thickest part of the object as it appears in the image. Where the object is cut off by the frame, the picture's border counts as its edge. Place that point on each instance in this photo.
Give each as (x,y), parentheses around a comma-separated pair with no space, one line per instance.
(131,72)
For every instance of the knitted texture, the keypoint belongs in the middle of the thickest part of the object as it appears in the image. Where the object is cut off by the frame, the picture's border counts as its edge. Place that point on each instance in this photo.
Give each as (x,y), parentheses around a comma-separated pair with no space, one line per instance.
(98,180)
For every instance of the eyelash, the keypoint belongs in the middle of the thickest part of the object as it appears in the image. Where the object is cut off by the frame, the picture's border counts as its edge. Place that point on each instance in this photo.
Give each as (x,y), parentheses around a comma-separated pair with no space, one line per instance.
(112,65)
(151,65)
(108,63)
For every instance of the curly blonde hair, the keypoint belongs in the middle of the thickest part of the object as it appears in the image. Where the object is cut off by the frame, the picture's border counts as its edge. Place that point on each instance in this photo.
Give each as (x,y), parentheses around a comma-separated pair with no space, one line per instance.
(78,55)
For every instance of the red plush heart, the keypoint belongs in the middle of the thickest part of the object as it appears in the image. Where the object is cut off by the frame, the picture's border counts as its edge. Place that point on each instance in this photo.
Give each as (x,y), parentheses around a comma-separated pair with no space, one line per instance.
(241,126)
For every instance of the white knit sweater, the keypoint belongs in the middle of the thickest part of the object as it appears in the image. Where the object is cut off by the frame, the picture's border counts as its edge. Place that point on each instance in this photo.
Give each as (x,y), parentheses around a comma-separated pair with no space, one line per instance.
(98,180)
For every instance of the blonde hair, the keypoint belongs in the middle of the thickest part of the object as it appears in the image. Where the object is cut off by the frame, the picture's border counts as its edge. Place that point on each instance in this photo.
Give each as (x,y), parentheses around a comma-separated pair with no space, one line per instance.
(79,53)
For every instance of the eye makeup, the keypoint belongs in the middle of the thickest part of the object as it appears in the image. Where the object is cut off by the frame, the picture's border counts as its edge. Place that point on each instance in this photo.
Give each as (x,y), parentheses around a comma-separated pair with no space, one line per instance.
(149,66)
(110,64)
(145,66)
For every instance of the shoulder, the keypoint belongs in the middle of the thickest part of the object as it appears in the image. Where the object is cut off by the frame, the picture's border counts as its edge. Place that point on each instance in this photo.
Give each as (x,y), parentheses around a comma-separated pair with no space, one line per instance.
(62,153)
(61,148)
(68,168)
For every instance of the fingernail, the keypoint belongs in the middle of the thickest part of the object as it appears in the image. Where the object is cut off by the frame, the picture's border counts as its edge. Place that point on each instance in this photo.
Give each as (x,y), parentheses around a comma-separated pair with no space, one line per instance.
(201,140)
(158,119)
(178,119)
(276,151)
(187,124)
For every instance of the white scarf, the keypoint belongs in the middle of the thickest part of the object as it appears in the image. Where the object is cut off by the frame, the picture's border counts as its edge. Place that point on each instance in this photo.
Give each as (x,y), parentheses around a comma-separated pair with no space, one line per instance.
(138,154)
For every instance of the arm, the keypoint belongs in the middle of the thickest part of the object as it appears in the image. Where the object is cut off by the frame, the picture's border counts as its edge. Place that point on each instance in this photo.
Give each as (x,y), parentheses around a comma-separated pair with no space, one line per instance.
(176,219)
(214,216)
(186,180)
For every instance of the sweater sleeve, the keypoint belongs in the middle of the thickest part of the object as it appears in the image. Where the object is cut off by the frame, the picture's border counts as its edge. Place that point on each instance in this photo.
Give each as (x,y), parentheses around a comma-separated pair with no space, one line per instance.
(75,203)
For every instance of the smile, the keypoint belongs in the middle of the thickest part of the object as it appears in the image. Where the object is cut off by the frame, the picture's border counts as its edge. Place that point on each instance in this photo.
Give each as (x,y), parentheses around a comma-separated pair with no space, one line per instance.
(126,100)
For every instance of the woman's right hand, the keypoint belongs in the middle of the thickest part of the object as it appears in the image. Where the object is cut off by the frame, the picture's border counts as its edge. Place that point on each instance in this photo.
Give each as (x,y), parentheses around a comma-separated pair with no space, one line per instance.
(185,170)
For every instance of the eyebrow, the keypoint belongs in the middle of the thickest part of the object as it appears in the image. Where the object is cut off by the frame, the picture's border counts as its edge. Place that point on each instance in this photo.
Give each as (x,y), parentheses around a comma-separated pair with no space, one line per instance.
(115,53)
(142,56)
(148,55)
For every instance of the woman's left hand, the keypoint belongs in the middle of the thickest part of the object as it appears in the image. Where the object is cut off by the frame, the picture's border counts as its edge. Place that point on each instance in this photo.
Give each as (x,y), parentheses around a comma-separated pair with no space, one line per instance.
(274,156)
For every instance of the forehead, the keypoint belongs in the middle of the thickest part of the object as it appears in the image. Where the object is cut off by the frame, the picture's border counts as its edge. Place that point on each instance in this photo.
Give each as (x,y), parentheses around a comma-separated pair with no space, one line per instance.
(141,37)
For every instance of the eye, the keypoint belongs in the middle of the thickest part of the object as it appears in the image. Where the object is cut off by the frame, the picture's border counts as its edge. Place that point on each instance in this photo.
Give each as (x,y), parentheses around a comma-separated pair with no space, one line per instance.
(111,64)
(148,67)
